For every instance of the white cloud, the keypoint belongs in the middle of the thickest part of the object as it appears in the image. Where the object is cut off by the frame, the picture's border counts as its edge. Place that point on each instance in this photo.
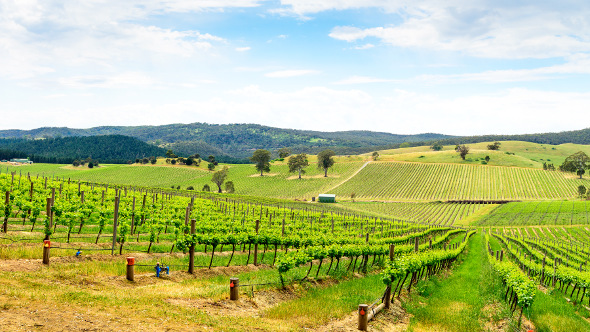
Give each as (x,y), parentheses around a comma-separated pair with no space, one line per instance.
(243,49)
(363,80)
(364,47)
(511,31)
(290,73)
(575,65)
(41,37)
(114,81)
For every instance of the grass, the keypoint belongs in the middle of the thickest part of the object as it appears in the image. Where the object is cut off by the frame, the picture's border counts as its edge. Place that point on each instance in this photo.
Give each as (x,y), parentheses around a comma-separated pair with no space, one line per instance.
(521,154)
(343,299)
(470,299)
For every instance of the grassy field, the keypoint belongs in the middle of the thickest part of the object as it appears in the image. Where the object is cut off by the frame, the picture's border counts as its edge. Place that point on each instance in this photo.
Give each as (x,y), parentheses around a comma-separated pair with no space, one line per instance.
(511,153)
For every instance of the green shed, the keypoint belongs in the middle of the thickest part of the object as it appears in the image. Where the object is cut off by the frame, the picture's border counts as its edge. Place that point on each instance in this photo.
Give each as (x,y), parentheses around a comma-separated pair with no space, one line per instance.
(327,198)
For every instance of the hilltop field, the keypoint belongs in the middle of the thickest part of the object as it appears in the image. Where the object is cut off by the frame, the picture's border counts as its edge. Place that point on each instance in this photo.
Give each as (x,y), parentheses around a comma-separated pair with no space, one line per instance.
(497,245)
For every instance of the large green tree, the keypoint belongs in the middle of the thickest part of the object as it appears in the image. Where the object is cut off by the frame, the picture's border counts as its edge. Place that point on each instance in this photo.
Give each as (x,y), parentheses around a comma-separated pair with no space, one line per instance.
(326,160)
(219,177)
(261,158)
(578,162)
(297,163)
(463,150)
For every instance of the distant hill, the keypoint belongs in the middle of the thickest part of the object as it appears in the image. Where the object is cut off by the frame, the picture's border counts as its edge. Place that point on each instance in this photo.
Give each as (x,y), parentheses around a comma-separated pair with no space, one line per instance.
(235,140)
(573,136)
(104,148)
(234,143)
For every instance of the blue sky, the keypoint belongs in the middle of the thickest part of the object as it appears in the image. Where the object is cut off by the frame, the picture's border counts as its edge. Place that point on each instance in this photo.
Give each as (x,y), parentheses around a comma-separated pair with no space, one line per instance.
(453,67)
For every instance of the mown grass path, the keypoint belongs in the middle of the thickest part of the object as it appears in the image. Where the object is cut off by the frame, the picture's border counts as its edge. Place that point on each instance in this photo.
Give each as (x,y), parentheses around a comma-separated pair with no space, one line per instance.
(468,300)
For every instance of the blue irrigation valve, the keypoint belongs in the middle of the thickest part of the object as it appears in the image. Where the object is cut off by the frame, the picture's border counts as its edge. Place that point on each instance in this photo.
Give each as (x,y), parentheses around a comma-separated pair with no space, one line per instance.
(158,270)
(168,270)
(78,253)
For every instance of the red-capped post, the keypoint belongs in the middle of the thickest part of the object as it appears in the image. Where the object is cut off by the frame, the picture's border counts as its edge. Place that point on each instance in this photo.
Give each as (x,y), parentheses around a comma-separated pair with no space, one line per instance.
(363,317)
(46,247)
(233,289)
(131,268)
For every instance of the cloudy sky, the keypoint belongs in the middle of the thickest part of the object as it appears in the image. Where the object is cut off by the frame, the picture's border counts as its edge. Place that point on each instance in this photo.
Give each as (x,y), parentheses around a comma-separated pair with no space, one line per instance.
(409,66)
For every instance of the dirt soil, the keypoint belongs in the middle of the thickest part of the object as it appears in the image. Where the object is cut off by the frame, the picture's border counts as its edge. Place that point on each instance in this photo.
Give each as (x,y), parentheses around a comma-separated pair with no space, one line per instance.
(393,319)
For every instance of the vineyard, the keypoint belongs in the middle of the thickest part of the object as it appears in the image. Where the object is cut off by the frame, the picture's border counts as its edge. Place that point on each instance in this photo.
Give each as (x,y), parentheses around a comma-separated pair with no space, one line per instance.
(431,182)
(409,246)
(539,213)
(432,213)
(269,246)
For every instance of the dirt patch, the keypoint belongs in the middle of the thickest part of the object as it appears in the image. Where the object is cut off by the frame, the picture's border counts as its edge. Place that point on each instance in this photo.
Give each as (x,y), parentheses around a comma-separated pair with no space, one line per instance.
(55,317)
(20,265)
(393,319)
(319,176)
(267,174)
(246,306)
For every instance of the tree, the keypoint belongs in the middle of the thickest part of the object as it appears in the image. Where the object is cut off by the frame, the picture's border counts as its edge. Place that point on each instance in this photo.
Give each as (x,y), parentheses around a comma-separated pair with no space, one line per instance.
(170,154)
(211,158)
(487,158)
(153,161)
(326,160)
(206,188)
(494,146)
(436,146)
(375,156)
(578,162)
(188,161)
(297,163)
(76,162)
(219,177)
(582,190)
(173,161)
(284,152)
(404,145)
(90,165)
(262,159)
(229,187)
(463,150)
(210,166)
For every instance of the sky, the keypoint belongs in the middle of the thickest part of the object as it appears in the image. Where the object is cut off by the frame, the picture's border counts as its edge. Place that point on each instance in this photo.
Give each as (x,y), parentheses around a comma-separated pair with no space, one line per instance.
(411,66)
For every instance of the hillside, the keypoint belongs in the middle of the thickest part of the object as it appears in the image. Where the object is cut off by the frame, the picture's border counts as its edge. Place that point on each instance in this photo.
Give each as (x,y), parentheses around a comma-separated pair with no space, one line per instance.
(105,148)
(235,140)
(409,174)
(511,153)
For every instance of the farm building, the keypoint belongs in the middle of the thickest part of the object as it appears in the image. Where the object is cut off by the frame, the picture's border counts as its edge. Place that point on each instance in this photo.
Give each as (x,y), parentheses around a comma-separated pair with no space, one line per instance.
(327,198)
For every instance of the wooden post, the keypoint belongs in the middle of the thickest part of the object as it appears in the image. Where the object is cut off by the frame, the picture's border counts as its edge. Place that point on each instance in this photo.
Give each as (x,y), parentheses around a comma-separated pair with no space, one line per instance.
(46,247)
(191,250)
(82,197)
(554,271)
(391,251)
(115,220)
(234,293)
(416,245)
(132,231)
(256,244)
(131,268)
(7,205)
(501,255)
(363,317)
